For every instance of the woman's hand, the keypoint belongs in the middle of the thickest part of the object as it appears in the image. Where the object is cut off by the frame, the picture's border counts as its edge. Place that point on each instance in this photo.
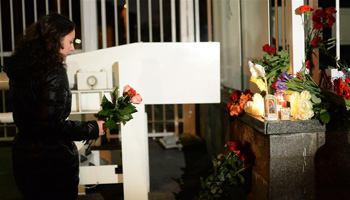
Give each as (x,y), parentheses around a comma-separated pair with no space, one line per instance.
(102,128)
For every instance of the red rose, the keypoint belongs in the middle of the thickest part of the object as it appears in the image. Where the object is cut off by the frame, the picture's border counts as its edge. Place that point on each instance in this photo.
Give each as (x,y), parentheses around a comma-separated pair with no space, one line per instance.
(233,145)
(266,48)
(235,96)
(243,157)
(347,80)
(316,41)
(330,20)
(331,10)
(246,91)
(238,152)
(236,110)
(305,8)
(272,51)
(228,107)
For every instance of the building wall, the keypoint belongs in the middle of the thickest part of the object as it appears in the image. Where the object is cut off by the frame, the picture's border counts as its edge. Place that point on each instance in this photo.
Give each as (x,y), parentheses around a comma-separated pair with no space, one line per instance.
(230,16)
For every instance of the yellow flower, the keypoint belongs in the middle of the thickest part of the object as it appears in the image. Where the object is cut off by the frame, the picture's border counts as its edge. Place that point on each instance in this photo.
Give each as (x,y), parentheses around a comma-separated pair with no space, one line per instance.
(258,82)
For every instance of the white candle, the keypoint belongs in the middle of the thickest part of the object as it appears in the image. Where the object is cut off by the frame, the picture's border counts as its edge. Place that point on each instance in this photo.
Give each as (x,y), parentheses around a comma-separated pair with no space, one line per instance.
(258,107)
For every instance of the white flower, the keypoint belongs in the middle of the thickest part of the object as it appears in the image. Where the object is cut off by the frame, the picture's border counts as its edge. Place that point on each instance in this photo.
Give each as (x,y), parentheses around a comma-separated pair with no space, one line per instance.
(257,97)
(301,106)
(305,95)
(256,70)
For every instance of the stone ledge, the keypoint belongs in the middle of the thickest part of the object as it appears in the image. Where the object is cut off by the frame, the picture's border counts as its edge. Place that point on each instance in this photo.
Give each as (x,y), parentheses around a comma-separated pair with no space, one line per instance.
(282,127)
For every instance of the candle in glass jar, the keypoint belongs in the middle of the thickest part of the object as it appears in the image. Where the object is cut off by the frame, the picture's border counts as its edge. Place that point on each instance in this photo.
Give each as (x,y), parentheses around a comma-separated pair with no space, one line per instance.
(283,103)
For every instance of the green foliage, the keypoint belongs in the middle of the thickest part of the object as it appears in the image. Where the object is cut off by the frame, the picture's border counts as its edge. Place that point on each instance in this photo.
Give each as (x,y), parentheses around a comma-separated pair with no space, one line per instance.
(119,110)
(275,65)
(325,103)
(223,178)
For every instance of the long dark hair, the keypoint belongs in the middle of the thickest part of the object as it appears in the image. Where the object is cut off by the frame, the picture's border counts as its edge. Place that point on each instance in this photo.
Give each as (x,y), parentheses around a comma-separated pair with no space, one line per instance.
(43,40)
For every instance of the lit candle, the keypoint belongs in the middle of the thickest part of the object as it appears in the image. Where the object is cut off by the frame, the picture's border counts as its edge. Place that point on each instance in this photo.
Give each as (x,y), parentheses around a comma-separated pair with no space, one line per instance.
(285,113)
(283,103)
(258,107)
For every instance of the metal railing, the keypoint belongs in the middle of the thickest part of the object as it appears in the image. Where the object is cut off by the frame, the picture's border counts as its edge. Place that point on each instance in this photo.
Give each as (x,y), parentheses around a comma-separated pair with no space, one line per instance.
(117,22)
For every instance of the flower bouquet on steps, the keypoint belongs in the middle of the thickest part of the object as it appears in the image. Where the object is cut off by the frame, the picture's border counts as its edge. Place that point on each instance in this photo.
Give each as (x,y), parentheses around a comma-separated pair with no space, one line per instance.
(119,109)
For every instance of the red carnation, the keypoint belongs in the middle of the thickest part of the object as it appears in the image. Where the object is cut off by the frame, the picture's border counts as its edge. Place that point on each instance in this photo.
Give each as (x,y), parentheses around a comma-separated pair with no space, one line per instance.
(330,20)
(319,13)
(272,51)
(331,10)
(309,64)
(318,26)
(274,86)
(305,8)
(316,41)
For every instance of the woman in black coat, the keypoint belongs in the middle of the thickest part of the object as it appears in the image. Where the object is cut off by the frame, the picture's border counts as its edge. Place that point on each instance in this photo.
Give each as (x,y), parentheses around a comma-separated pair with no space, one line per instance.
(45,158)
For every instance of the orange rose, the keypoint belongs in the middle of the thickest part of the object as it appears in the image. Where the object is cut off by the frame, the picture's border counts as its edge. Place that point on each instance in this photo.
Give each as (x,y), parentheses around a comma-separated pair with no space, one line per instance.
(128,90)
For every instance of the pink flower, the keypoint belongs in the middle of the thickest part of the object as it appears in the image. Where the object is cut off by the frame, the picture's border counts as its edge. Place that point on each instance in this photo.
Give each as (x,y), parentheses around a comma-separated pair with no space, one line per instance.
(136,99)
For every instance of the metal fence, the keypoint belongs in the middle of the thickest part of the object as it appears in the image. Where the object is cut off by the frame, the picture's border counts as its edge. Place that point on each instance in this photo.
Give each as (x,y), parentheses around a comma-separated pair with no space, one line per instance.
(106,23)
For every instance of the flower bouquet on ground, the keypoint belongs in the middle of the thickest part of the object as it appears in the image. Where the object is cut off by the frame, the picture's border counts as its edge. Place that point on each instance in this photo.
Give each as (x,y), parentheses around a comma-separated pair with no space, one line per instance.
(227,173)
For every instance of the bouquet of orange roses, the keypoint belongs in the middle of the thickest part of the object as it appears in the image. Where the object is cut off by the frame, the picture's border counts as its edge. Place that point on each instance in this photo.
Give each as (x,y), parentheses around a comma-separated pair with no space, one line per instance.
(238,101)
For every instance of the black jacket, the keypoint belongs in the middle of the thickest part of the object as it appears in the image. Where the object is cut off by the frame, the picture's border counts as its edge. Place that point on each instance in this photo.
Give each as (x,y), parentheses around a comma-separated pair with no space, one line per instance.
(45,159)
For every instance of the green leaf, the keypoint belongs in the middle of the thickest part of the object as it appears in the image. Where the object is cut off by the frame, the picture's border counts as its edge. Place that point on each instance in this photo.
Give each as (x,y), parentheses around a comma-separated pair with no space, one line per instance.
(211,178)
(129,109)
(325,117)
(103,112)
(110,124)
(213,191)
(114,95)
(315,99)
